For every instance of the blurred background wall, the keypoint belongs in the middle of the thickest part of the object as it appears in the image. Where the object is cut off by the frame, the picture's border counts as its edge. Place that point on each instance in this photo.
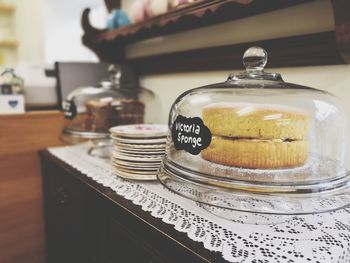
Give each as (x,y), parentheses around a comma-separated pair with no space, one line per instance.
(47,31)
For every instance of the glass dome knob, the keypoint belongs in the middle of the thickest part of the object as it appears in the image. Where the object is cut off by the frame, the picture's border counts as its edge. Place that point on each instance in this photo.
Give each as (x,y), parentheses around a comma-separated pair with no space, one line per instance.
(115,74)
(255,59)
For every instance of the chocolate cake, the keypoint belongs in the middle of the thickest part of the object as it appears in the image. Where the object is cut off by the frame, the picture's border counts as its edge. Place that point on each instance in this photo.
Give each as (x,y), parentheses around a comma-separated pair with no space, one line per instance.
(103,114)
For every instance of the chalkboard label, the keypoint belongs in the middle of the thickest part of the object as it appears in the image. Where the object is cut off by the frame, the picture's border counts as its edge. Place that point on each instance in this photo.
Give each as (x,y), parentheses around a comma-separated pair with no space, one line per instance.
(190,134)
(70,109)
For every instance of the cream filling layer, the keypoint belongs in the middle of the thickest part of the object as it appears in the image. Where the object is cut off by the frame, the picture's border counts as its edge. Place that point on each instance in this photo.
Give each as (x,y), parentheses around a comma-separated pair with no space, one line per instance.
(256,139)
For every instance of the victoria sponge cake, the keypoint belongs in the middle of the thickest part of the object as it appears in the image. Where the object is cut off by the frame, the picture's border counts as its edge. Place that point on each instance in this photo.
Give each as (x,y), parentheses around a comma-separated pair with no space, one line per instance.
(260,136)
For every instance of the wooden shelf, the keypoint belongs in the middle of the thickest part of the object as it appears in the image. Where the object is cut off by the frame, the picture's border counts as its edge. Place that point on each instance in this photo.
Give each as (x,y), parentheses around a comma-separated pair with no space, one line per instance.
(196,15)
(7,9)
(8,43)
(109,45)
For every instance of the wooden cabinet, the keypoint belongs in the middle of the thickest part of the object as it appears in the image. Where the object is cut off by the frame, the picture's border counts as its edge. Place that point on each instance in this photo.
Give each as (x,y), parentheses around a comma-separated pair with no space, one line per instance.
(86,222)
(21,212)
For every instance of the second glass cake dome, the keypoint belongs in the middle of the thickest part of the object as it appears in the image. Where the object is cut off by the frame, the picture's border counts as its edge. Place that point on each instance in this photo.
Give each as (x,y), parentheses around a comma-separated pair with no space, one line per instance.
(92,111)
(258,144)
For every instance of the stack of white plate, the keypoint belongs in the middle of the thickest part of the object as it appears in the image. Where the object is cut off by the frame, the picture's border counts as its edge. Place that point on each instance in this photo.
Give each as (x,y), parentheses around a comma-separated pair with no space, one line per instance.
(138,150)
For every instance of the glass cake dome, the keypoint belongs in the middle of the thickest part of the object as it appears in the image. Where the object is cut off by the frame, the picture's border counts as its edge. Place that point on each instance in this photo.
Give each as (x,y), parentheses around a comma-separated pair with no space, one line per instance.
(120,100)
(255,143)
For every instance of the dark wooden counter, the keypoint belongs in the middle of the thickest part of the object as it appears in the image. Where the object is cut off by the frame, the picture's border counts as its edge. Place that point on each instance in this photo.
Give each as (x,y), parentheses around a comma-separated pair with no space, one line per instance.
(87,222)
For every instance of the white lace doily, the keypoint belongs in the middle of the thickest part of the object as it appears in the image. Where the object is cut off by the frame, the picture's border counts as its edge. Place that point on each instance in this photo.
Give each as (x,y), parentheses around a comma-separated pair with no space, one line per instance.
(312,238)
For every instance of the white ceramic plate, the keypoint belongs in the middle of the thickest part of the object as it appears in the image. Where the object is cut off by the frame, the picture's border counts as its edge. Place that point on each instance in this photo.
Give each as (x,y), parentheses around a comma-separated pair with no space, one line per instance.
(139,141)
(135,163)
(140,146)
(132,176)
(142,159)
(137,154)
(136,168)
(140,130)
(148,152)
(136,172)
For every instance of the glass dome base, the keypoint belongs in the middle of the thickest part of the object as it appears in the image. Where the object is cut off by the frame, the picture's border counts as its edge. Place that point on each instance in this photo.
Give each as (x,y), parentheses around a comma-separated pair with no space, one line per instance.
(101,148)
(71,135)
(223,198)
